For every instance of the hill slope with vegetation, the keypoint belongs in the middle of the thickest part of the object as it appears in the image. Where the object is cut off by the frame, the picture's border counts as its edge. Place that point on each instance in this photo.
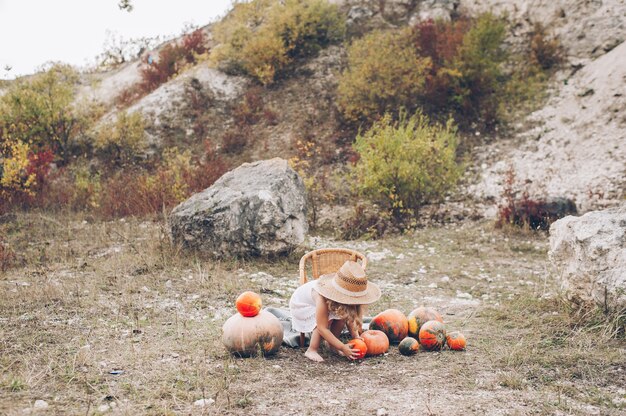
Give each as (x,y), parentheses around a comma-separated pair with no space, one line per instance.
(299,80)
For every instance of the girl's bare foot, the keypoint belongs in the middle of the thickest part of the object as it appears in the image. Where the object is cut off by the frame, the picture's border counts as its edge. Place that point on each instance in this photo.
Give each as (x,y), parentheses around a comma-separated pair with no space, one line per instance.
(313,356)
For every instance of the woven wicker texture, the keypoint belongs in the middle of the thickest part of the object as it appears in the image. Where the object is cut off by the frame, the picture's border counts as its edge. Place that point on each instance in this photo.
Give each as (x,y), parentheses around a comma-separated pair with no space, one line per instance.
(327,260)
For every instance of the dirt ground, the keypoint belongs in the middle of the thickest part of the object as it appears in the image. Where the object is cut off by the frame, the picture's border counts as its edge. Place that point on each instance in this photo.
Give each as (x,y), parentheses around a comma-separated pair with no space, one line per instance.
(107,318)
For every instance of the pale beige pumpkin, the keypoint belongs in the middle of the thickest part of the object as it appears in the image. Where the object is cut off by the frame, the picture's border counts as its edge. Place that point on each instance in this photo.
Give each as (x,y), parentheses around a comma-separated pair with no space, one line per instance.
(246,336)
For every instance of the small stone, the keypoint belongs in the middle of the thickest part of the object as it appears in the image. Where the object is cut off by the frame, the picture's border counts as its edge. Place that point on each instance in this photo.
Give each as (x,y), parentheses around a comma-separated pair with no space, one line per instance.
(40,404)
(103,408)
(463,295)
(445,279)
(381,412)
(203,402)
(433,285)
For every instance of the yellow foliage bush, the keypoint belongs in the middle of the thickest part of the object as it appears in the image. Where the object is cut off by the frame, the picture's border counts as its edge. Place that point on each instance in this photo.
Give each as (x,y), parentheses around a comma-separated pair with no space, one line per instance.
(385,73)
(42,112)
(123,140)
(14,177)
(261,38)
(407,163)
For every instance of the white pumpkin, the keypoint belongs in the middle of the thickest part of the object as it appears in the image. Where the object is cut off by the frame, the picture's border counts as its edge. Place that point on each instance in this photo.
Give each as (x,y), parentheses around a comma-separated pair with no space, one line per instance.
(246,336)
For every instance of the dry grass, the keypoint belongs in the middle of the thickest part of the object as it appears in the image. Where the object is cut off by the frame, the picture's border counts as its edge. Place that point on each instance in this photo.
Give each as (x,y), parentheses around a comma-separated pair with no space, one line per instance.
(89,298)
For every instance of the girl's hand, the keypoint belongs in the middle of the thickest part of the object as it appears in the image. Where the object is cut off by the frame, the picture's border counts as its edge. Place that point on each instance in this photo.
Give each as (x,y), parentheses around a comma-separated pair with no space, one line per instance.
(349,353)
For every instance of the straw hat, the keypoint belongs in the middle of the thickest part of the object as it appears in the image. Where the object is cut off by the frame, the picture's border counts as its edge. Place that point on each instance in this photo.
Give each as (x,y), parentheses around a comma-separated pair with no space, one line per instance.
(348,286)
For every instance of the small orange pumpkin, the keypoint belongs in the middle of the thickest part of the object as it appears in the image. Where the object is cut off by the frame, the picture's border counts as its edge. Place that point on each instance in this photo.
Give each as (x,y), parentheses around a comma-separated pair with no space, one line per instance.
(358,344)
(376,341)
(393,323)
(248,304)
(419,317)
(409,346)
(246,336)
(432,335)
(456,341)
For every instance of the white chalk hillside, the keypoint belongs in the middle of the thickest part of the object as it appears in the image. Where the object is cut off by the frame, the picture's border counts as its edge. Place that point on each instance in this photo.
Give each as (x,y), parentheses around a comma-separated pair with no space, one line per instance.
(576,147)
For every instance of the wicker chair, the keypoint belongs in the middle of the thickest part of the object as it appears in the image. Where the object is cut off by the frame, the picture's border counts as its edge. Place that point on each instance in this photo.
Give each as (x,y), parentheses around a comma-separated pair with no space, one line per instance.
(324,261)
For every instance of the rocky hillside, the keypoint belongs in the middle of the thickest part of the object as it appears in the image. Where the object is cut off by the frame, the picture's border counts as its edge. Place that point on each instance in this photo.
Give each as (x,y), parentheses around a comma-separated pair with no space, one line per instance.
(574,146)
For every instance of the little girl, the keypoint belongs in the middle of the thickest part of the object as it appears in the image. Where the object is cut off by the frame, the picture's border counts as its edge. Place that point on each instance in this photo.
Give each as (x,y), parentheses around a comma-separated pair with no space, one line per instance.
(326,305)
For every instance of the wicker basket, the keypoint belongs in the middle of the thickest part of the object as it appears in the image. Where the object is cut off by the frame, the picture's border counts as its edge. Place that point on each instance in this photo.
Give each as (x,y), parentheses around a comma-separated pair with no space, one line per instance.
(327,260)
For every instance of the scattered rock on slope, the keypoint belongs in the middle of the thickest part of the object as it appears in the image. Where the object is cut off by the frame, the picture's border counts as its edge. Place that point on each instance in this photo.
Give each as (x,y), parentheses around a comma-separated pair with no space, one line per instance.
(257,209)
(589,253)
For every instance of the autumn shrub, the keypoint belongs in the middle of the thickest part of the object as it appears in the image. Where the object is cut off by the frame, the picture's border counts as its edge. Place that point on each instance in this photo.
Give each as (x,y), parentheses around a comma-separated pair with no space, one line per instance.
(262,38)
(16,181)
(172,58)
(479,61)
(235,140)
(440,41)
(526,212)
(139,192)
(407,163)
(444,68)
(43,112)
(385,73)
(365,223)
(122,141)
(197,103)
(545,50)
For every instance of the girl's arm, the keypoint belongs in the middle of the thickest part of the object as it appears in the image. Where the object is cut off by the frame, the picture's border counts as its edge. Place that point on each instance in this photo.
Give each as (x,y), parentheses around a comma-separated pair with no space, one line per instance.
(321,317)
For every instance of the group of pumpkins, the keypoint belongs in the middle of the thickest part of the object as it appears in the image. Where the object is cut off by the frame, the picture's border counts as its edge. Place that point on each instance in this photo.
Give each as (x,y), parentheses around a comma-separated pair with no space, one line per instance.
(422,329)
(251,330)
(254,331)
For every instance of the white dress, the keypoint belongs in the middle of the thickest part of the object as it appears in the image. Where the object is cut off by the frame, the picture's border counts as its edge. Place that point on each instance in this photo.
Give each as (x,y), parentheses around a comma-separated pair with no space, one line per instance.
(302,306)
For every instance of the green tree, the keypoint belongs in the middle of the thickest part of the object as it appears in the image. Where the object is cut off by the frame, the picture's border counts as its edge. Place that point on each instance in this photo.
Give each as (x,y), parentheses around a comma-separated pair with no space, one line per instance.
(406,163)
(479,60)
(41,111)
(385,73)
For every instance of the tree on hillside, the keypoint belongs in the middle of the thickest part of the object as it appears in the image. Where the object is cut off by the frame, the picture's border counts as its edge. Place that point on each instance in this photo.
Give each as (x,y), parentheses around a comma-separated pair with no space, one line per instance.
(41,112)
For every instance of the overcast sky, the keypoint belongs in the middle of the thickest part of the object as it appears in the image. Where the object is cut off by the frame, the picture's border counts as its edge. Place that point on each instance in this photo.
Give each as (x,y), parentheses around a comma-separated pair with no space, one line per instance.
(33,32)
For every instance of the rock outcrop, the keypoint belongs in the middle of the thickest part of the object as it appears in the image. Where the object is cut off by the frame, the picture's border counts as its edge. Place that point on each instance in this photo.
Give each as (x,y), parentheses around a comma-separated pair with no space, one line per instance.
(257,209)
(589,253)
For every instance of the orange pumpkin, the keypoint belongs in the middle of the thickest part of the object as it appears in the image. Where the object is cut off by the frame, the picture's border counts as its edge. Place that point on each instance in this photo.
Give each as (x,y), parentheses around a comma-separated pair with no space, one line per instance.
(456,341)
(248,304)
(409,346)
(432,335)
(393,323)
(246,336)
(376,341)
(419,317)
(358,344)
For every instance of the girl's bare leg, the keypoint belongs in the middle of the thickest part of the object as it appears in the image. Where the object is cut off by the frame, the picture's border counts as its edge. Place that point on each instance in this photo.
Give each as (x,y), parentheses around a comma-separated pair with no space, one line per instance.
(336,326)
(311,353)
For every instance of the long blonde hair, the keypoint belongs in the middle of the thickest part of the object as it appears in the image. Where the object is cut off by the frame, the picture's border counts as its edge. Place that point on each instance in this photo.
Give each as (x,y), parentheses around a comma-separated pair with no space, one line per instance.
(352,314)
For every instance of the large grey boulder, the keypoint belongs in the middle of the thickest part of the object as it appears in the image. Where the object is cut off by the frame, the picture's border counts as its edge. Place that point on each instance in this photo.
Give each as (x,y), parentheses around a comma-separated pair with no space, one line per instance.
(589,253)
(257,209)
